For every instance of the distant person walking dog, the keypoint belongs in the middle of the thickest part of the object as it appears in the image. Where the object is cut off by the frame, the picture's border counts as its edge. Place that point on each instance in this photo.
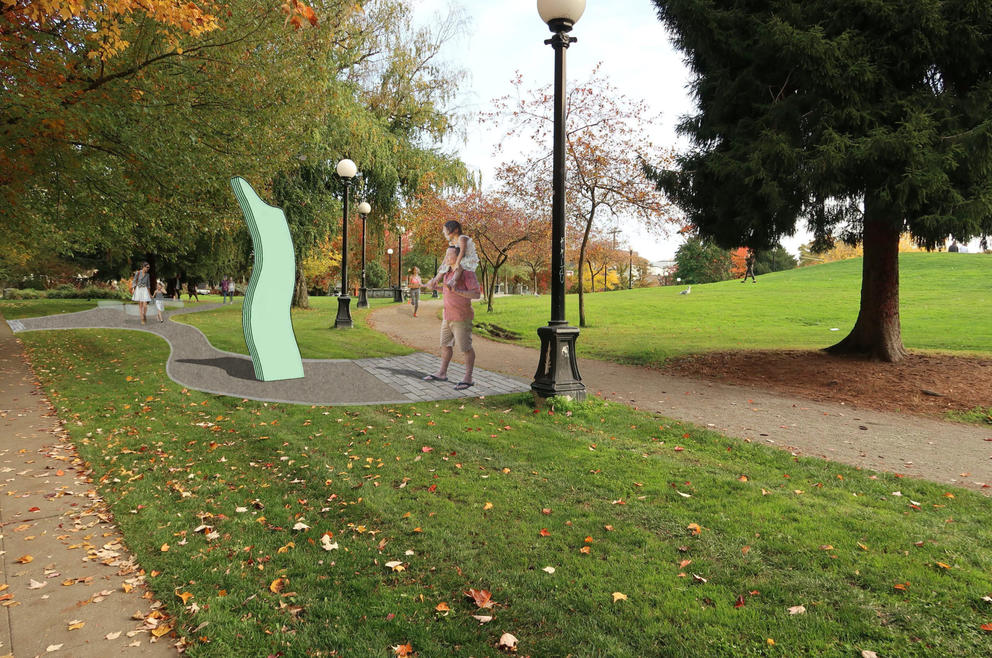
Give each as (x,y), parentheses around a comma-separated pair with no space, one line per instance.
(140,282)
(456,321)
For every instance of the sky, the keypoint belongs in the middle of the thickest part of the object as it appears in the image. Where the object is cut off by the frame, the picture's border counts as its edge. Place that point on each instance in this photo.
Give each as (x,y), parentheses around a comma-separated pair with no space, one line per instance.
(625,37)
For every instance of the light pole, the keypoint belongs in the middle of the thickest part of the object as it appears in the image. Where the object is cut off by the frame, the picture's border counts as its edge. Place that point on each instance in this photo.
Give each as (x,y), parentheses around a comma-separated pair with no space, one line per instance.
(389,267)
(630,268)
(434,292)
(398,290)
(558,370)
(363,300)
(346,171)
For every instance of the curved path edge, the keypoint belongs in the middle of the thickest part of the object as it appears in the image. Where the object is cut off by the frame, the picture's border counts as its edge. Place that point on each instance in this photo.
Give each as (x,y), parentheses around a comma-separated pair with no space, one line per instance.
(196,364)
(942,451)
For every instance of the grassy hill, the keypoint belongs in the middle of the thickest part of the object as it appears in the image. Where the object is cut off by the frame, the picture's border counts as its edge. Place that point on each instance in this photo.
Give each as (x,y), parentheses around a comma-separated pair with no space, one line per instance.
(946,305)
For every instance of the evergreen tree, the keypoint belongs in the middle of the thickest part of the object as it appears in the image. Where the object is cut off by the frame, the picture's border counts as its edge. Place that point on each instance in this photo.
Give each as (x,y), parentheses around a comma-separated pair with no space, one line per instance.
(775,259)
(867,118)
(701,261)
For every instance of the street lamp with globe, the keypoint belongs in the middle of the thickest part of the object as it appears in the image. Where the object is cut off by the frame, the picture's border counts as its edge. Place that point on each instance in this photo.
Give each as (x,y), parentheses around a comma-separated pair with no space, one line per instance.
(363,211)
(346,171)
(558,370)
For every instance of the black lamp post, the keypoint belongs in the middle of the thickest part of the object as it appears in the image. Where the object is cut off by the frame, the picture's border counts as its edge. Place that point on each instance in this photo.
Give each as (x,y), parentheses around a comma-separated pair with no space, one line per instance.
(630,268)
(363,299)
(398,290)
(389,267)
(346,171)
(434,292)
(558,370)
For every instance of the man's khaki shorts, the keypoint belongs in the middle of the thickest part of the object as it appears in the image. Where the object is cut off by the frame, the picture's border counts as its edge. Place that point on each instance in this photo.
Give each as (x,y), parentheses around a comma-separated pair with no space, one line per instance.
(457,334)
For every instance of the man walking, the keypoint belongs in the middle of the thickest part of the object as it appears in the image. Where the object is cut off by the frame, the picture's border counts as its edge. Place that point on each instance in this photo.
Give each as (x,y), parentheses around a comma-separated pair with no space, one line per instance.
(456,321)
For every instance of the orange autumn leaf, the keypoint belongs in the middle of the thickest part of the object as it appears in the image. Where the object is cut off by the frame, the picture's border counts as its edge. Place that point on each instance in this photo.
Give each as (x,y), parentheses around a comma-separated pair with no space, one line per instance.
(442,607)
(165,548)
(185,596)
(694,528)
(585,549)
(24,559)
(987,627)
(481,597)
(545,533)
(161,630)
(277,585)
(403,650)
(588,540)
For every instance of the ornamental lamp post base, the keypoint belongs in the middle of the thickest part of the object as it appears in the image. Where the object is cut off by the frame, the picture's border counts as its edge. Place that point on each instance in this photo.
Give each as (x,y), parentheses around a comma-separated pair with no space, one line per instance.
(343,320)
(363,298)
(397,294)
(558,371)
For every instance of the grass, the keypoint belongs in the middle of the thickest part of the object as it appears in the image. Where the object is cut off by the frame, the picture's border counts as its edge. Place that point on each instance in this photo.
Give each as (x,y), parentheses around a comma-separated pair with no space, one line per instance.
(944,307)
(18,309)
(978,416)
(454,491)
(315,334)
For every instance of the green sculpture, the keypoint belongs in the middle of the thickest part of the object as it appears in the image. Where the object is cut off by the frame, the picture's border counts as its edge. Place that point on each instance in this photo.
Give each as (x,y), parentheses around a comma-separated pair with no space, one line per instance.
(265,313)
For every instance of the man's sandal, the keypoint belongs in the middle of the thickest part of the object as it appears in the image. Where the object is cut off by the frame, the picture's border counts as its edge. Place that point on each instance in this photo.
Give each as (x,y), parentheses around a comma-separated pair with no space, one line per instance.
(461,386)
(435,378)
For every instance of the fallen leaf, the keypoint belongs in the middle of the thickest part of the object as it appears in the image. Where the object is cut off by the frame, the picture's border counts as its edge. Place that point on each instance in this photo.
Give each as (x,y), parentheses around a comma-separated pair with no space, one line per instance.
(619,596)
(76,624)
(277,585)
(24,559)
(507,641)
(403,650)
(51,648)
(442,607)
(868,654)
(185,596)
(395,565)
(797,610)
(327,544)
(943,565)
(482,619)
(698,578)
(34,584)
(487,506)
(301,526)
(548,569)
(694,528)
(161,630)
(112,636)
(739,603)
(544,532)
(482,598)
(165,548)
(585,549)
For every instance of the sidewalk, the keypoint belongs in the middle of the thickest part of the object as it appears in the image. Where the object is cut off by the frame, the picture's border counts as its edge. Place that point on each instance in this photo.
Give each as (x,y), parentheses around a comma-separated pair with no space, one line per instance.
(65,569)
(954,453)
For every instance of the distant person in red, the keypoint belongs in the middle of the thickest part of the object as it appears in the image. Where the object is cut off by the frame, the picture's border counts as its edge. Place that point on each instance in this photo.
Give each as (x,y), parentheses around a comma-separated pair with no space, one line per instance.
(456,321)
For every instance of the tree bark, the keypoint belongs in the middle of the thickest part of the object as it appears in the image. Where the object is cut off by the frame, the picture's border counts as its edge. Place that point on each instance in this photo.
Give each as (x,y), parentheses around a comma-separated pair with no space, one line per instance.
(877,334)
(301,298)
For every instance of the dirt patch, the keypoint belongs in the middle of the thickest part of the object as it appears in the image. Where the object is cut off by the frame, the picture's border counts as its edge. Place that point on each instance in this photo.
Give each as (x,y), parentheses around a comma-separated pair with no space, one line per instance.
(930,385)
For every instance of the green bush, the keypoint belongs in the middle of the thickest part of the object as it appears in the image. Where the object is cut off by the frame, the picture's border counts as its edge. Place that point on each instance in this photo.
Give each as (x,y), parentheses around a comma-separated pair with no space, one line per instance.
(66,291)
(26,293)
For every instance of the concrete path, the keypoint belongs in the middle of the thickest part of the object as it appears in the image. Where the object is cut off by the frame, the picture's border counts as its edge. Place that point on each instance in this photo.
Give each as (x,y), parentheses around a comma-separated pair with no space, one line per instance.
(65,569)
(196,364)
(916,446)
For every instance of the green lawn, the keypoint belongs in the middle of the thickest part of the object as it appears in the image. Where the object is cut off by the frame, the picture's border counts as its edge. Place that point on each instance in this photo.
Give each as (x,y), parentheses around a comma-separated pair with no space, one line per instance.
(945,305)
(18,309)
(314,331)
(419,503)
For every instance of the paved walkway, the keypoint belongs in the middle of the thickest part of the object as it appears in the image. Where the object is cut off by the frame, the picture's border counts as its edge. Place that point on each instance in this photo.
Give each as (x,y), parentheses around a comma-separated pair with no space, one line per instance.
(64,565)
(196,364)
(948,452)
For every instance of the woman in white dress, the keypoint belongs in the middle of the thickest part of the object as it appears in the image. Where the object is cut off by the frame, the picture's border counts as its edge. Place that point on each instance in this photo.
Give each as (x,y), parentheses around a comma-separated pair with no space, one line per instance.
(141,295)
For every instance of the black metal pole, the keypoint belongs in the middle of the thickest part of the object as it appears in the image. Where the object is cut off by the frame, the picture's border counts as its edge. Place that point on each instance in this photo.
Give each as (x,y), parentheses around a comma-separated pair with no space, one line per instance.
(343,319)
(558,370)
(398,291)
(434,292)
(363,299)
(630,269)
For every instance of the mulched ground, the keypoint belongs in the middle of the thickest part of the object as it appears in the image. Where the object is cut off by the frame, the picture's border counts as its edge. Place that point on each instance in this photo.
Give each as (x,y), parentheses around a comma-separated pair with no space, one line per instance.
(924,384)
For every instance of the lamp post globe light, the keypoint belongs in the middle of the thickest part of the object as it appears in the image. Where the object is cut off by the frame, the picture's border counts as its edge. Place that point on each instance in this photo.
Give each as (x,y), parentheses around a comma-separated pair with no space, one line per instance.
(346,170)
(363,299)
(389,267)
(398,290)
(558,370)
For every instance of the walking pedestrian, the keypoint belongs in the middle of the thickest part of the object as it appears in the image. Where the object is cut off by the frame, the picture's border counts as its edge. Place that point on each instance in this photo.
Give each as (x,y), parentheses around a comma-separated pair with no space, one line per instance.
(140,282)
(225,289)
(191,291)
(414,283)
(456,321)
(749,263)
(160,300)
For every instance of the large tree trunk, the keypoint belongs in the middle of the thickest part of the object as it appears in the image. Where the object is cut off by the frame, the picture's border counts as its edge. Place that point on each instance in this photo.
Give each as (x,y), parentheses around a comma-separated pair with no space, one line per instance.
(301,297)
(876,334)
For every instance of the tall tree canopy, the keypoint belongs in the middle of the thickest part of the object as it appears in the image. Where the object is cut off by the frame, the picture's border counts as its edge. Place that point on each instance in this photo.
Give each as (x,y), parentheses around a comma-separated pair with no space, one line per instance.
(865,119)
